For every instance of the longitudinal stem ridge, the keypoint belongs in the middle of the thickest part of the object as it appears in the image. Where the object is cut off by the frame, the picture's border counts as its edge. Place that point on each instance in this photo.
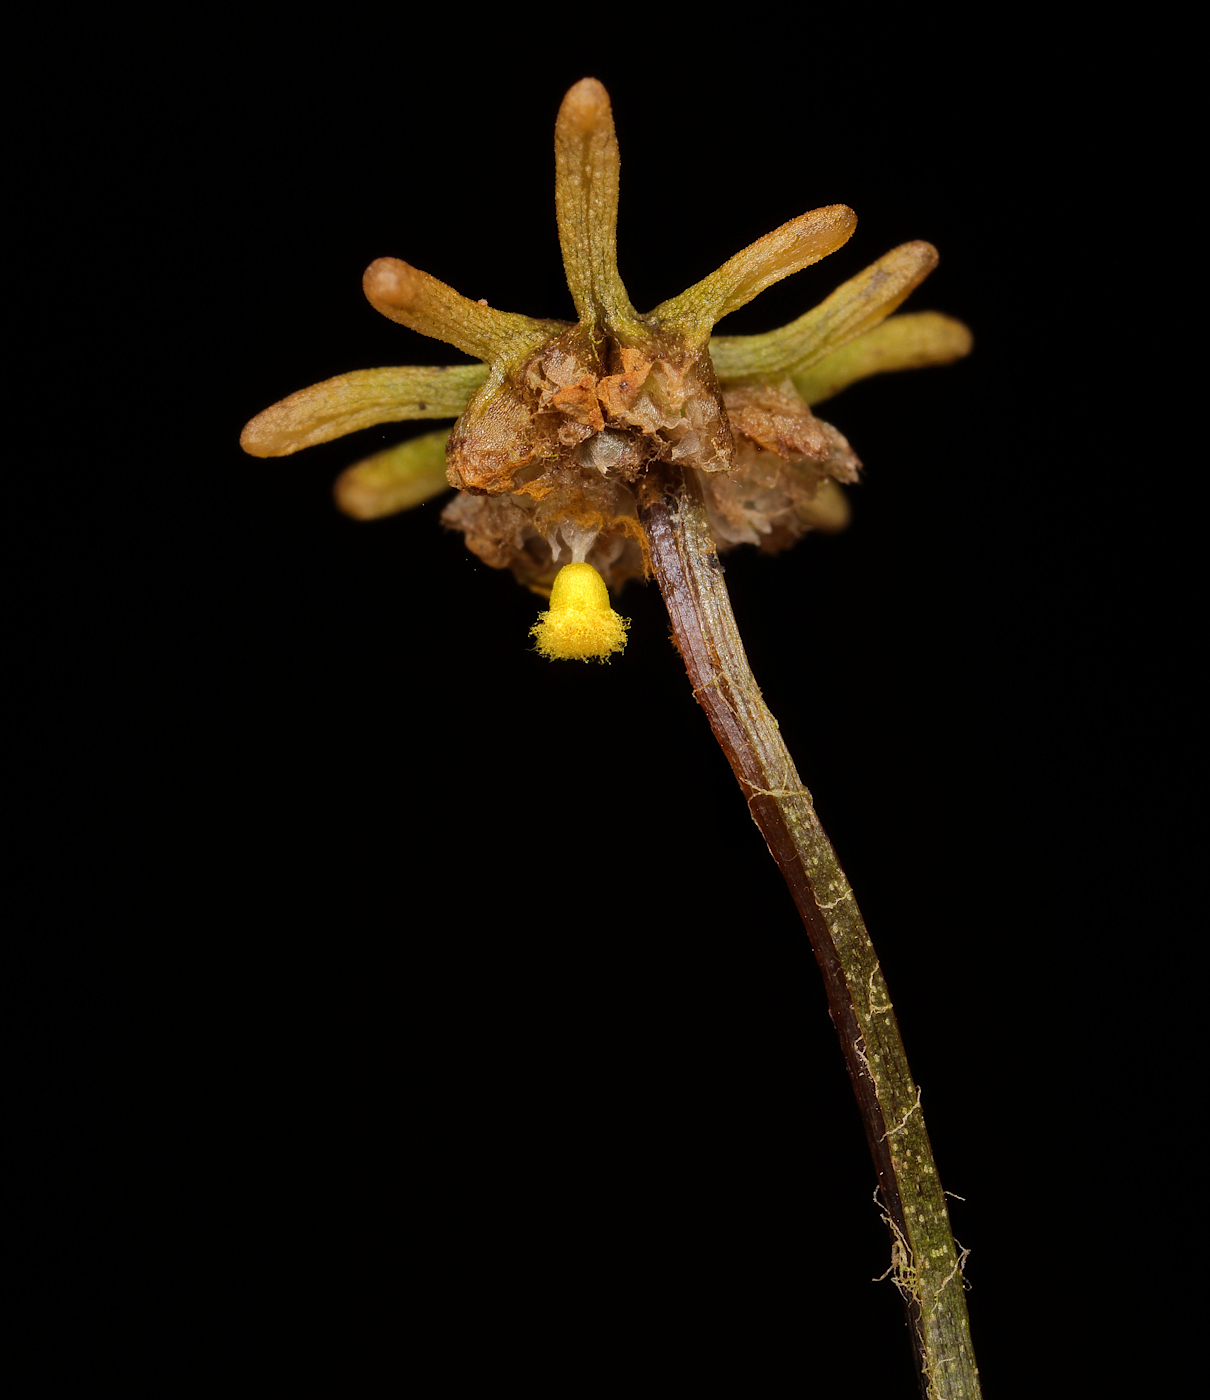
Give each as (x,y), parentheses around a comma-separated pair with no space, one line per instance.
(925,1263)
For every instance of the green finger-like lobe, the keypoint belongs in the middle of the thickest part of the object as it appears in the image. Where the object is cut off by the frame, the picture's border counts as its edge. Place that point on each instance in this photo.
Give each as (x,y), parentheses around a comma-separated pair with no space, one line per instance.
(586,205)
(360,400)
(786,250)
(910,341)
(419,301)
(855,307)
(396,479)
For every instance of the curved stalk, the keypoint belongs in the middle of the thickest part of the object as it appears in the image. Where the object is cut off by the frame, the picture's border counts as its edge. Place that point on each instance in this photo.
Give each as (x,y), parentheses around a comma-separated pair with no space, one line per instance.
(925,1265)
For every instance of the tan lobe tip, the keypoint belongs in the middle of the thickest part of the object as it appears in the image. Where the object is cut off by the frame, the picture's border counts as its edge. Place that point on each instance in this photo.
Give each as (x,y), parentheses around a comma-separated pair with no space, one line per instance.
(390,281)
(585,104)
(250,440)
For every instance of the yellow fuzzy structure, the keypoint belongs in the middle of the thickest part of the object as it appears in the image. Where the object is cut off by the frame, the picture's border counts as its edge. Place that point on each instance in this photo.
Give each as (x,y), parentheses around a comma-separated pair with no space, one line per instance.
(580,626)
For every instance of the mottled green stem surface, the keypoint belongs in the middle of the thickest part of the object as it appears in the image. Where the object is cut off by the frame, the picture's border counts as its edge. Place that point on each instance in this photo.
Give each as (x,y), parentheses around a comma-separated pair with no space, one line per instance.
(925,1264)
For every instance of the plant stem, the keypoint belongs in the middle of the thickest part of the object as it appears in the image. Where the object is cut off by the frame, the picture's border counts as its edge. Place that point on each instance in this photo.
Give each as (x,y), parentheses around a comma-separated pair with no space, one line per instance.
(925,1265)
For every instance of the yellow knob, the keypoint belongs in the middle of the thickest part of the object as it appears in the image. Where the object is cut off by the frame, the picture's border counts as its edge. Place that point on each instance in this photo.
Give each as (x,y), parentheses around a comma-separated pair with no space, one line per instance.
(580,625)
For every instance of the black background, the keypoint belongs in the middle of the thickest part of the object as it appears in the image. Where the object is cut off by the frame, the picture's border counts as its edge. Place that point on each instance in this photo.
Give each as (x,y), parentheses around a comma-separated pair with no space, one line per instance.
(406,1004)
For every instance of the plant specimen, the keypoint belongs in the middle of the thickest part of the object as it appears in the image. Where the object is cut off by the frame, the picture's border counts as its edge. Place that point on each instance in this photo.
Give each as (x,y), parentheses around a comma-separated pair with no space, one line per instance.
(627,446)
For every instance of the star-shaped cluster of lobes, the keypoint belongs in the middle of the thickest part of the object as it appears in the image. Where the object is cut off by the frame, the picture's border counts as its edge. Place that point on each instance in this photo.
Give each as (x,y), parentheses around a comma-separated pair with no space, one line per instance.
(559,421)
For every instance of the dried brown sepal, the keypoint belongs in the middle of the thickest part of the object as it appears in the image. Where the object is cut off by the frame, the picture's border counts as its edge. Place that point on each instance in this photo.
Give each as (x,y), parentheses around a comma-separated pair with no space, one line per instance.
(853,308)
(772,501)
(913,340)
(423,304)
(512,429)
(586,205)
(362,399)
(775,419)
(593,404)
(786,250)
(785,459)
(518,533)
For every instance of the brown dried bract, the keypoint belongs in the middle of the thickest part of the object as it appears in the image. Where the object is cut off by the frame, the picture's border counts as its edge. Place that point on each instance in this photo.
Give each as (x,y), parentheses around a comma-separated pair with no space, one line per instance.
(774,417)
(784,458)
(664,397)
(528,536)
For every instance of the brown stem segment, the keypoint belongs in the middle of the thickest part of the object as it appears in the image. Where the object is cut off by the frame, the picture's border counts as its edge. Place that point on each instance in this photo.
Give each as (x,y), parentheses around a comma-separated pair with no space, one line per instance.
(925,1264)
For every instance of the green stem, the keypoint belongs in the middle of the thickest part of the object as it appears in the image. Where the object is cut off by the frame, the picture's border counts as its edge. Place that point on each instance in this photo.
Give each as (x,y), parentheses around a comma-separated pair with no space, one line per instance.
(925,1264)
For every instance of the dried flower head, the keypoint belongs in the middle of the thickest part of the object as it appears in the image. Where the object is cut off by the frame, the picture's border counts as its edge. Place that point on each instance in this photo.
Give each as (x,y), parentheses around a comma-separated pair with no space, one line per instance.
(561,420)
(588,452)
